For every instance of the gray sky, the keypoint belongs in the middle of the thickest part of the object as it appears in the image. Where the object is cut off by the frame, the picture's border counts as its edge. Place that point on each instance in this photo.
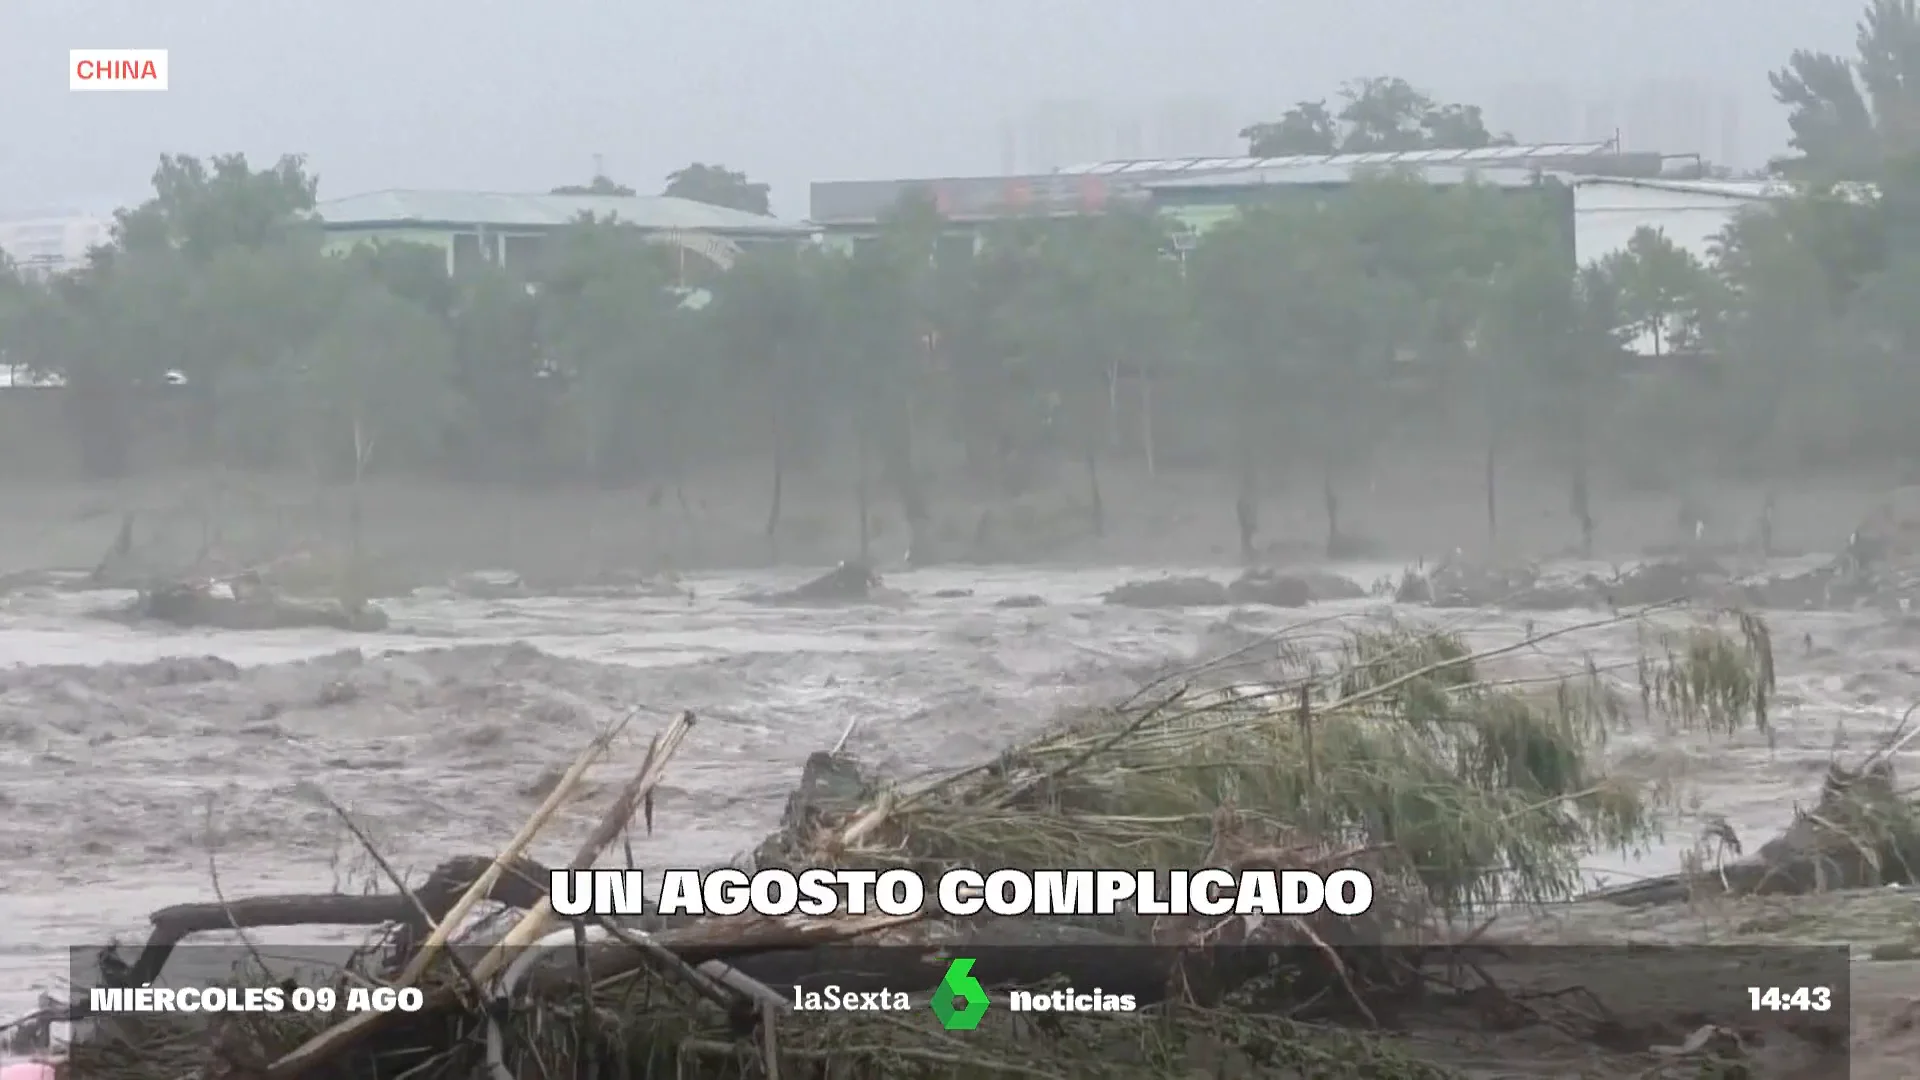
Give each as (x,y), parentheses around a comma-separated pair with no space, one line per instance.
(522,94)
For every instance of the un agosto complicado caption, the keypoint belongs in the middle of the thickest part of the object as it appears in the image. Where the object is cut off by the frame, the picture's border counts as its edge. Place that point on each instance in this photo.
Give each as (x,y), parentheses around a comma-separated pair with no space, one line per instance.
(820,891)
(965,892)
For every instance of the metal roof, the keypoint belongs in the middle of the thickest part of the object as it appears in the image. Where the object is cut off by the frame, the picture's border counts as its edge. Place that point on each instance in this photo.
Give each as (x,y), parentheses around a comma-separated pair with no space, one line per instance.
(1322,172)
(1745,190)
(1077,188)
(1504,155)
(507,211)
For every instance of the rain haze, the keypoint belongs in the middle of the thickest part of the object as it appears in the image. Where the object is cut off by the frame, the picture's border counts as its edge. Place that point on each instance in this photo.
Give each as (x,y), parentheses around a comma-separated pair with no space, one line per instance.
(847,393)
(493,95)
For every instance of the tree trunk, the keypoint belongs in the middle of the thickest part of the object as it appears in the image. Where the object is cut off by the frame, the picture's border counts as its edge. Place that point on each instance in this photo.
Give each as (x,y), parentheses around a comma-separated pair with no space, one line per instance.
(1332,500)
(1246,507)
(1096,508)
(1113,405)
(352,592)
(1493,489)
(906,483)
(677,464)
(1580,504)
(862,494)
(779,480)
(1146,422)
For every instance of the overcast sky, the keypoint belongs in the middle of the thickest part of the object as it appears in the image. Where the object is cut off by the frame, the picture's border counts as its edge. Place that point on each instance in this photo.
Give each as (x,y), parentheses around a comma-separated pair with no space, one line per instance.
(523,94)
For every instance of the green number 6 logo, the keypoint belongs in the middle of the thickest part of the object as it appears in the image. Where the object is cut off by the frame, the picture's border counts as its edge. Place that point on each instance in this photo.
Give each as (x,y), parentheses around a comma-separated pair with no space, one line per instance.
(960,1001)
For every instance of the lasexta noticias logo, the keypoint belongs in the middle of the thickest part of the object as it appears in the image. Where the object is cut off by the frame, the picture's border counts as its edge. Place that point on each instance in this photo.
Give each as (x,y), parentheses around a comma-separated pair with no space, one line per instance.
(960,1001)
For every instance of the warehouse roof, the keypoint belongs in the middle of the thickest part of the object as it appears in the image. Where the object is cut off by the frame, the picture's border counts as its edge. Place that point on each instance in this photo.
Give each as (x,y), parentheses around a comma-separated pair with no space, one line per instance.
(502,210)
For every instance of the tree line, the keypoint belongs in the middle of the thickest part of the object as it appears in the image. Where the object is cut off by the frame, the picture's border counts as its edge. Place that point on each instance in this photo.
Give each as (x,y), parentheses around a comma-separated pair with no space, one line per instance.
(1305,337)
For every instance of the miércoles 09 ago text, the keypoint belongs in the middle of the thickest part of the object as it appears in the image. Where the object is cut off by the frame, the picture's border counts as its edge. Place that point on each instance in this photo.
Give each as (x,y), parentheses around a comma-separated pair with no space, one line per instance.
(255,999)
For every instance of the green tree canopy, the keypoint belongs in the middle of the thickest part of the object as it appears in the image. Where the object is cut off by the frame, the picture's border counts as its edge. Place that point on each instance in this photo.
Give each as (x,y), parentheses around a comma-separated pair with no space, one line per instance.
(718,185)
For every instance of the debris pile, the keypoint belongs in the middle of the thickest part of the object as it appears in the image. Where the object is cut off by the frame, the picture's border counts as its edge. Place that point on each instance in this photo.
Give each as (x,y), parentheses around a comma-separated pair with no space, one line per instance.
(1168,592)
(242,603)
(1862,833)
(851,582)
(1527,587)
(1259,585)
(1291,588)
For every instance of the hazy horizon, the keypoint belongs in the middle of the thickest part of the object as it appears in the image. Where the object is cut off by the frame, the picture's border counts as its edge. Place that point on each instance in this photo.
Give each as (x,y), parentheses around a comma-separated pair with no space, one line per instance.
(487,95)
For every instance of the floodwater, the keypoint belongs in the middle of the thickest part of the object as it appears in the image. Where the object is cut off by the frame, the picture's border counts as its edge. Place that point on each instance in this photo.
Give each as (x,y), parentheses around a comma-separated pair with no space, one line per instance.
(126,777)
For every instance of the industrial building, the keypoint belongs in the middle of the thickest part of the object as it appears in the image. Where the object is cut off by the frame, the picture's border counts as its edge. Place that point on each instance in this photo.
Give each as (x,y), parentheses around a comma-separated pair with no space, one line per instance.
(1607,211)
(52,244)
(510,230)
(853,208)
(1202,202)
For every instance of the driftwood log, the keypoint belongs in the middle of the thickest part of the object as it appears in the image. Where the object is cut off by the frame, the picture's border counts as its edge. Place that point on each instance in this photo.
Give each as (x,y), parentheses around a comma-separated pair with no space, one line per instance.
(193,604)
(1862,833)
(522,886)
(850,582)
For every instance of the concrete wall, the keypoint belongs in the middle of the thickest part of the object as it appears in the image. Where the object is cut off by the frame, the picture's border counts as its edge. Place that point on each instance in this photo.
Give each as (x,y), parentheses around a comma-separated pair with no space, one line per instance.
(37,440)
(1202,216)
(1606,214)
(340,241)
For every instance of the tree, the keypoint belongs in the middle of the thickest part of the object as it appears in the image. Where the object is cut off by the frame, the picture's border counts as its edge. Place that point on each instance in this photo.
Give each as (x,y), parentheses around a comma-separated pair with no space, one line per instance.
(599,185)
(1850,117)
(1307,128)
(200,208)
(717,185)
(1377,113)
(897,319)
(771,312)
(505,386)
(16,302)
(1098,304)
(1665,292)
(375,378)
(604,307)
(1281,297)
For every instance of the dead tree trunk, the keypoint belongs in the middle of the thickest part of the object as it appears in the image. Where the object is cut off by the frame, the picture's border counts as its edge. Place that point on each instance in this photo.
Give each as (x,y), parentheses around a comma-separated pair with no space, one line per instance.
(1331,498)
(862,493)
(779,480)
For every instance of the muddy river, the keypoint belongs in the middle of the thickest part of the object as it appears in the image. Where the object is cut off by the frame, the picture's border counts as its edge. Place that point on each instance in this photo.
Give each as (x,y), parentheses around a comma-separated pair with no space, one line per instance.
(131,758)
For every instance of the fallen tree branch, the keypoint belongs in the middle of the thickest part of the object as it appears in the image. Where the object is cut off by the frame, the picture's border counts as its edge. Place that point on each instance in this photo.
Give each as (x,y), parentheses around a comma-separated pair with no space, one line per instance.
(484,883)
(540,918)
(520,889)
(529,929)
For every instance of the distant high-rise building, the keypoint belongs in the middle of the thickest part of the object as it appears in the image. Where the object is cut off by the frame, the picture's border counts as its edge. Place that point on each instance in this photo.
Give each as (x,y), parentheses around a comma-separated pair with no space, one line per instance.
(1732,152)
(1682,116)
(1601,121)
(1534,112)
(45,245)
(1066,132)
(1192,127)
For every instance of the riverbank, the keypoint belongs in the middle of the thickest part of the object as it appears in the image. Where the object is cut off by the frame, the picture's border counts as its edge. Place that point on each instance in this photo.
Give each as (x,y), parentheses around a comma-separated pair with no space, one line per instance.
(420,533)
